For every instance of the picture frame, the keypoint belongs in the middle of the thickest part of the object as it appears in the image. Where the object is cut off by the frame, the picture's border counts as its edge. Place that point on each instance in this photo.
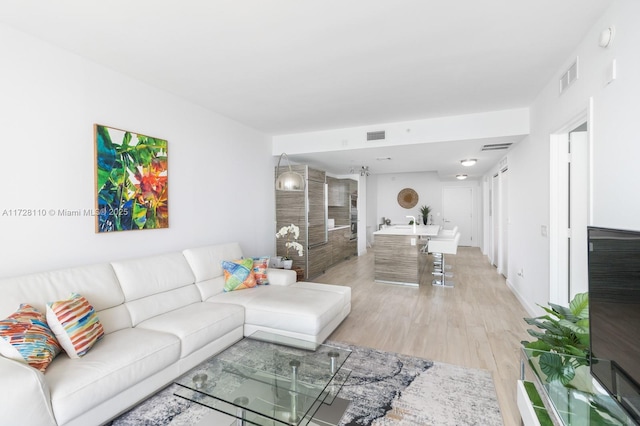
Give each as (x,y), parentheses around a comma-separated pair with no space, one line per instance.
(131,181)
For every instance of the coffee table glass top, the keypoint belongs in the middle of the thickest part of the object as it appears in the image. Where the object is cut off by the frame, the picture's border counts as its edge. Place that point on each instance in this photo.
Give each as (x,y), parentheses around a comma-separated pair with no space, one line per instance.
(267,379)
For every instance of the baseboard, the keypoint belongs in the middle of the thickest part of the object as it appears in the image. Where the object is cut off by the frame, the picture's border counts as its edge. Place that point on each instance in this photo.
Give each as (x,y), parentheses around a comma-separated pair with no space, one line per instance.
(527,307)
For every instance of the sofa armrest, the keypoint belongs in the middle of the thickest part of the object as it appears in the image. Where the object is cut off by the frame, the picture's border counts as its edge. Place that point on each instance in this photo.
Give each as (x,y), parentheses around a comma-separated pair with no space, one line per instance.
(25,395)
(283,277)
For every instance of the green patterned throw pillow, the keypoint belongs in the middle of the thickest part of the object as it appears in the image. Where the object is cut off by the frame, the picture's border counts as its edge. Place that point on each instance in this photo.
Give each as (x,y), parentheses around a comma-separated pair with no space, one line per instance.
(238,274)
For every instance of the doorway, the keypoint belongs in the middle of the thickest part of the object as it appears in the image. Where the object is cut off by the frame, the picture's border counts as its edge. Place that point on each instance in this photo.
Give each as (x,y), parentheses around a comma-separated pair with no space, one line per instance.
(499,221)
(457,210)
(570,212)
(495,223)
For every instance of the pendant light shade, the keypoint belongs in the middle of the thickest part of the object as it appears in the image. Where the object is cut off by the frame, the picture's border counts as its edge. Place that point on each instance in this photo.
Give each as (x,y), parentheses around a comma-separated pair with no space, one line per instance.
(288,180)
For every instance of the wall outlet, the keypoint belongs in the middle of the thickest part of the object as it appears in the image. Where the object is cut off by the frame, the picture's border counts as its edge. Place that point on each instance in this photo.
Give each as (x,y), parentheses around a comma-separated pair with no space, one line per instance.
(544,231)
(413,241)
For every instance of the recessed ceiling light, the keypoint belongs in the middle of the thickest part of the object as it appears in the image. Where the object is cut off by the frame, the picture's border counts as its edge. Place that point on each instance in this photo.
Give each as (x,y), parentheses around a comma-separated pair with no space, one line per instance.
(468,162)
(461,177)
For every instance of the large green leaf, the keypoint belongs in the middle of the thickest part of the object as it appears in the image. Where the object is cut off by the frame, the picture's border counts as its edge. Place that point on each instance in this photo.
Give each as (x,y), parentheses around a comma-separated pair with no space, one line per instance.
(537,345)
(126,139)
(105,155)
(562,312)
(139,215)
(550,324)
(580,305)
(574,327)
(557,367)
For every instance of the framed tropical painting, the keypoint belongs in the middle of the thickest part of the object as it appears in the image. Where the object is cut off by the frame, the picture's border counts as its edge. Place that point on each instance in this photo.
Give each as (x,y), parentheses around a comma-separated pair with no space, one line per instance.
(131,181)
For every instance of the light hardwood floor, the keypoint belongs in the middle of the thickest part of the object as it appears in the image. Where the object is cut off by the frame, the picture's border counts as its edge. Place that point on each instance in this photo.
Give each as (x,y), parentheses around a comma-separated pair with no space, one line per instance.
(478,323)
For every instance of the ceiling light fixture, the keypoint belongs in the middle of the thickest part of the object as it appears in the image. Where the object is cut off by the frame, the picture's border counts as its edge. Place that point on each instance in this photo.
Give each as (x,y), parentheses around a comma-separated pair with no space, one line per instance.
(364,171)
(288,180)
(468,162)
(606,36)
(461,177)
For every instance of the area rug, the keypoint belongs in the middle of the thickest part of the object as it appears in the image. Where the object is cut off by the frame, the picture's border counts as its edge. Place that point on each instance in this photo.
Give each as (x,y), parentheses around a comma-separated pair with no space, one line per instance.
(385,389)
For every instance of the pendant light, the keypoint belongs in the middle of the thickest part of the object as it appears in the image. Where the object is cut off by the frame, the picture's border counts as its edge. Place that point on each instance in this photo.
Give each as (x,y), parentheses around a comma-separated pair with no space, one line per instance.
(288,180)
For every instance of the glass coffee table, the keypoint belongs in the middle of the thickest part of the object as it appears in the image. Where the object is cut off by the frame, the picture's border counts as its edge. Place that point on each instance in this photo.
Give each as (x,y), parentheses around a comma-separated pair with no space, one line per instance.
(267,379)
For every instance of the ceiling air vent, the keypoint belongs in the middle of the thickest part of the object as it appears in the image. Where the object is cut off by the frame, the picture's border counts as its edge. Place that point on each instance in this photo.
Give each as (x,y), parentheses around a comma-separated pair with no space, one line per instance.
(569,77)
(376,136)
(496,146)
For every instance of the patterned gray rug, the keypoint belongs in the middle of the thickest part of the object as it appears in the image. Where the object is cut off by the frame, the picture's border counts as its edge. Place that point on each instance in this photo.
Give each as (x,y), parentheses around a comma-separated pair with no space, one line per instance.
(385,389)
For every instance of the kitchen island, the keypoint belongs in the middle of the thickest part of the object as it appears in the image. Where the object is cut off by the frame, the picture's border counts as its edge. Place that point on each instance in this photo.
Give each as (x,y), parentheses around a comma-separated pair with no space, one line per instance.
(398,257)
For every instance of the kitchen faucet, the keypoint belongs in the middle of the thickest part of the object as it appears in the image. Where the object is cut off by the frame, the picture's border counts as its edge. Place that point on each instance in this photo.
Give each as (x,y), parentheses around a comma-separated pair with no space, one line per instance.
(414,223)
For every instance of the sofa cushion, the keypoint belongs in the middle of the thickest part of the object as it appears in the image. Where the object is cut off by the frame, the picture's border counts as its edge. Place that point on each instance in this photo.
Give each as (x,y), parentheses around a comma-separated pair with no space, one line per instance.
(298,310)
(117,362)
(98,283)
(75,324)
(152,275)
(158,304)
(155,285)
(26,337)
(206,261)
(343,291)
(197,324)
(238,274)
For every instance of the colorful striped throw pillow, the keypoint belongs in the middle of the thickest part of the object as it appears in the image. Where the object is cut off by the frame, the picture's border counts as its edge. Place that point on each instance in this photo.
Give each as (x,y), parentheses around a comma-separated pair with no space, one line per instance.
(260,265)
(26,337)
(75,324)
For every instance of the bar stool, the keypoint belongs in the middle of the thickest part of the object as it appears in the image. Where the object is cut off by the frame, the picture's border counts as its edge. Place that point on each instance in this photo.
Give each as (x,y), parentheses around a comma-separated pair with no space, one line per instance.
(439,247)
(448,233)
(442,234)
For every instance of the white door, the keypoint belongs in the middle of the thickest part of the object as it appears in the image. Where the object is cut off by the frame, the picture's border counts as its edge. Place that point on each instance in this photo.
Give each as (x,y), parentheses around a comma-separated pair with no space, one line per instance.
(569,204)
(457,210)
(495,220)
(578,212)
(504,223)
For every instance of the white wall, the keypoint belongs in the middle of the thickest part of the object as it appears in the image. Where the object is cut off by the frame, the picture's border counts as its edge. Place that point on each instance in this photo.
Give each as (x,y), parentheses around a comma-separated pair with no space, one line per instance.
(428,186)
(220,172)
(615,149)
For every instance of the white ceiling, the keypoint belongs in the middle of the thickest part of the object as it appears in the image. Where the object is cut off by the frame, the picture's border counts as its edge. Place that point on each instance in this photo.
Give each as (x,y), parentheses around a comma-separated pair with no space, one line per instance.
(441,157)
(289,66)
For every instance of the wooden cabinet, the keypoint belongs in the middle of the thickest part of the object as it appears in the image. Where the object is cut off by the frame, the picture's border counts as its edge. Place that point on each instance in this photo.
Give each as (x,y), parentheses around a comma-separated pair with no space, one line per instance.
(396,259)
(338,243)
(308,210)
(319,259)
(338,192)
(342,247)
(317,212)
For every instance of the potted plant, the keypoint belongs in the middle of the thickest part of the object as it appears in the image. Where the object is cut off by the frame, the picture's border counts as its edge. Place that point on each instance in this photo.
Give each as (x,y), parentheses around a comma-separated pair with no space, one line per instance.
(424,212)
(291,233)
(560,357)
(563,346)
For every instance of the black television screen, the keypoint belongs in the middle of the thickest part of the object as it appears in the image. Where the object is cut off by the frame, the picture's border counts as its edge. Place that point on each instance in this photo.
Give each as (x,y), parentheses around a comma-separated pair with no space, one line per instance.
(614,313)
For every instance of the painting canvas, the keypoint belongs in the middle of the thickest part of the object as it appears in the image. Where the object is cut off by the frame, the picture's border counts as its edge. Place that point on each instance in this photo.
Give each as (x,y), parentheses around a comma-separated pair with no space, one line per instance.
(131,181)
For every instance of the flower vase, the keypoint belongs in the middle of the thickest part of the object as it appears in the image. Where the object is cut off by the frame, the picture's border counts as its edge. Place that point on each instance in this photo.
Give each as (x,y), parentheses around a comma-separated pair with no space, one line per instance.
(287,263)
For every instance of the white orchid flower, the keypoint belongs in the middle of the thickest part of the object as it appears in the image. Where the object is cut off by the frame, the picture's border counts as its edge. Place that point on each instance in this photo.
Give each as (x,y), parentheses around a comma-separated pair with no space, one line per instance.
(291,232)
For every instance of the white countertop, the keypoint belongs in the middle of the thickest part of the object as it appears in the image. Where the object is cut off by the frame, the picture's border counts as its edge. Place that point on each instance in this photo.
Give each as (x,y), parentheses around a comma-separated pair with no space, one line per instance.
(338,227)
(420,230)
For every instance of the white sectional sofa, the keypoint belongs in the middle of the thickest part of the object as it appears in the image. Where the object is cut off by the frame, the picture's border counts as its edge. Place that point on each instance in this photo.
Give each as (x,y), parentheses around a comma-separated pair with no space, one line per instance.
(162,315)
